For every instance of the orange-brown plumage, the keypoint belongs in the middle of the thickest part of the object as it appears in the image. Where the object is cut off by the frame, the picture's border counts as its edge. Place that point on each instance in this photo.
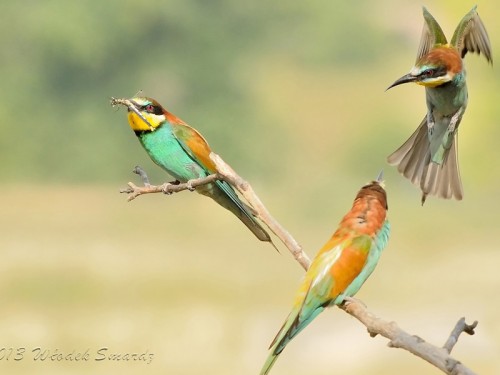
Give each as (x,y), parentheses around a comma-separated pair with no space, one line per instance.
(173,119)
(193,139)
(368,212)
(429,158)
(346,269)
(341,267)
(443,56)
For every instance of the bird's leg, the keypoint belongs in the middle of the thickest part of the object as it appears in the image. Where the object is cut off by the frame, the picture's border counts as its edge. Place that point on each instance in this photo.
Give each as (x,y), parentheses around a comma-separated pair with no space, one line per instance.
(189,185)
(452,127)
(165,186)
(430,123)
(353,300)
(454,120)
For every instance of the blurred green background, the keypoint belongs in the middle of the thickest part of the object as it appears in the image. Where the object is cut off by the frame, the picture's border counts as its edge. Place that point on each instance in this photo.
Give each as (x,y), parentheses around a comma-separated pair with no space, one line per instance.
(291,94)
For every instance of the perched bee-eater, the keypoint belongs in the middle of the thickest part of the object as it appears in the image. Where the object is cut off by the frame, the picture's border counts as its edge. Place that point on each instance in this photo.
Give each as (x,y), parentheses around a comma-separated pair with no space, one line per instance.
(341,266)
(429,157)
(185,154)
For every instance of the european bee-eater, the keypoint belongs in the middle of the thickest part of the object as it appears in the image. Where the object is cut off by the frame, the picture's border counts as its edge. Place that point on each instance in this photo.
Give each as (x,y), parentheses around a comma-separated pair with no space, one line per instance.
(341,266)
(429,157)
(185,154)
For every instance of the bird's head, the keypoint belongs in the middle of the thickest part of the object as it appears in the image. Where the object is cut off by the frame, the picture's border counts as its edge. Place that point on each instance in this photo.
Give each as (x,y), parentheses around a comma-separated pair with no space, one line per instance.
(376,190)
(436,68)
(150,110)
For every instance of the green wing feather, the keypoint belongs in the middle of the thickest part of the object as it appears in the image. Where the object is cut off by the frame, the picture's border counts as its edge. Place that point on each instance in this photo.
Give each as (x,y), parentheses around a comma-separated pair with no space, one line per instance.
(186,134)
(312,300)
(471,36)
(317,295)
(432,35)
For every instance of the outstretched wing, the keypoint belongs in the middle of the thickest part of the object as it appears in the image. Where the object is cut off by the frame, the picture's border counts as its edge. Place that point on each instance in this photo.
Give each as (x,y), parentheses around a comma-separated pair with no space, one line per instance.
(471,36)
(432,35)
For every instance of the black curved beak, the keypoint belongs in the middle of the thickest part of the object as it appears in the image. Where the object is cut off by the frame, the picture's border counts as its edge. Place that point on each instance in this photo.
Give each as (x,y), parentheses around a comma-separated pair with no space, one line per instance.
(404,79)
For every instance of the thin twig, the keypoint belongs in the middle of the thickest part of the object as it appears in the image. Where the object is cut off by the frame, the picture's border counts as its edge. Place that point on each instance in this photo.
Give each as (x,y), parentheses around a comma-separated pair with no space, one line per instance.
(439,357)
(142,174)
(131,106)
(225,172)
(167,188)
(261,211)
(460,327)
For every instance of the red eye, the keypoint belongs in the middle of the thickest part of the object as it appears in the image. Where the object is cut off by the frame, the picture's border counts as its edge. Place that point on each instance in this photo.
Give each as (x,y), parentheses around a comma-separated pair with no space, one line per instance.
(150,108)
(429,73)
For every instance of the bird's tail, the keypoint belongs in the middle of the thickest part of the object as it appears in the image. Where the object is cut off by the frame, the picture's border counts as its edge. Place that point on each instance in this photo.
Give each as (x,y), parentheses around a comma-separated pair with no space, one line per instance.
(269,363)
(296,321)
(288,331)
(224,195)
(413,160)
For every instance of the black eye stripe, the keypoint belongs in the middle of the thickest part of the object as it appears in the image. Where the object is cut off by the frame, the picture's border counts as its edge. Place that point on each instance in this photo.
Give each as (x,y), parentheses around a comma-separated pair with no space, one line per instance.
(433,73)
(150,108)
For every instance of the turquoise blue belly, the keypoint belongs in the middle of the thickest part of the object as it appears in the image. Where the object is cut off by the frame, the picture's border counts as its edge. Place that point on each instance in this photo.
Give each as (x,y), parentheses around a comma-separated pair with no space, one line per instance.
(165,150)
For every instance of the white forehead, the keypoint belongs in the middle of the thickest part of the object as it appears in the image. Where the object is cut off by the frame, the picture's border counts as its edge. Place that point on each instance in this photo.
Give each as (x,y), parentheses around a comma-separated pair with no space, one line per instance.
(141,101)
(415,71)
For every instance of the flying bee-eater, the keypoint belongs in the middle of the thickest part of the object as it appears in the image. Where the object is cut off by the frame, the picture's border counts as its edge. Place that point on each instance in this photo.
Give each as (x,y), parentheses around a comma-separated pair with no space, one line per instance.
(341,266)
(429,157)
(183,152)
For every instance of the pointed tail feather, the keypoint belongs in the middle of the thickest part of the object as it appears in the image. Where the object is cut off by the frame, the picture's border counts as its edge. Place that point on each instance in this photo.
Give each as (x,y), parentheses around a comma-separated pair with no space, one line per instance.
(293,325)
(269,363)
(223,194)
(413,160)
(279,342)
(247,218)
(288,330)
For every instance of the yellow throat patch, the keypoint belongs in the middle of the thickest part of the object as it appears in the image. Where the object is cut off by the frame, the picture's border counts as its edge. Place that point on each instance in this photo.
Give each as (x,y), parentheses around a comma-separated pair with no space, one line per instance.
(138,124)
(434,82)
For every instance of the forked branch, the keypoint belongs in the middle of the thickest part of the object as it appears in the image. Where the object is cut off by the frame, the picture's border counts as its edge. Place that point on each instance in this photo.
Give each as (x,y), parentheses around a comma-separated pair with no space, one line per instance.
(439,357)
(398,338)
(134,191)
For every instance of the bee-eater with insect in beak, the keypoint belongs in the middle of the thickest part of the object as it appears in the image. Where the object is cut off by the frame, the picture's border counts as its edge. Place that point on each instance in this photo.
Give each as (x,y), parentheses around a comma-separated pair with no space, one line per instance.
(185,154)
(341,266)
(429,157)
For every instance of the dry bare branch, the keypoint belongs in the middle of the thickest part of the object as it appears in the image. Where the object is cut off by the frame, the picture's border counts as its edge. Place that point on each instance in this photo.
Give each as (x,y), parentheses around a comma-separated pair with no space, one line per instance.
(439,357)
(398,338)
(460,327)
(134,191)
(261,211)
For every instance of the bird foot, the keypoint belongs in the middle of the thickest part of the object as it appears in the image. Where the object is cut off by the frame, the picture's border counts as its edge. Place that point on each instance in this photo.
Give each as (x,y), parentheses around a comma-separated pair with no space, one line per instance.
(454,121)
(165,186)
(430,128)
(348,299)
(189,186)
(430,123)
